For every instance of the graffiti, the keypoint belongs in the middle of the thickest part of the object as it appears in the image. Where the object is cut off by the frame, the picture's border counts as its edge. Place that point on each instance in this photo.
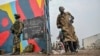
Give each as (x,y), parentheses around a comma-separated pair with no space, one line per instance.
(27,9)
(34,28)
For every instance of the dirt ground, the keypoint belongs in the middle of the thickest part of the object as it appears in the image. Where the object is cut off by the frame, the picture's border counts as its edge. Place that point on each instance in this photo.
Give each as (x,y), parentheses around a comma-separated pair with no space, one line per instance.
(80,53)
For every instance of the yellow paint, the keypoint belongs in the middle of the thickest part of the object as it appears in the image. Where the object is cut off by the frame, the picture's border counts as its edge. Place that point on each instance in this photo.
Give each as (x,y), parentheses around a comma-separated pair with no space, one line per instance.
(39,3)
(7,8)
(21,48)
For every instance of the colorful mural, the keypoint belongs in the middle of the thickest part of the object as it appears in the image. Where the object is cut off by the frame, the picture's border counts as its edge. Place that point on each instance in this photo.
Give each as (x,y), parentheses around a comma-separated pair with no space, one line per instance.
(28,9)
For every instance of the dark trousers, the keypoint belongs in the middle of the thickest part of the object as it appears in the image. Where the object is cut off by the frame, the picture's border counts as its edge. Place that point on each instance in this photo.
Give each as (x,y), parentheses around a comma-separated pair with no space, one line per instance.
(69,46)
(75,45)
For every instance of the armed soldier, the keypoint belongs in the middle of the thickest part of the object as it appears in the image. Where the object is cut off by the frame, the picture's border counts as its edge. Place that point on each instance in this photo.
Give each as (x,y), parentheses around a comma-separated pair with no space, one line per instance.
(63,22)
(16,30)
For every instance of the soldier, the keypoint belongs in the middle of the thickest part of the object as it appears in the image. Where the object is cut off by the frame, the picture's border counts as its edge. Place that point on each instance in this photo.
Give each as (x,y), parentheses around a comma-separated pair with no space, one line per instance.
(63,22)
(16,30)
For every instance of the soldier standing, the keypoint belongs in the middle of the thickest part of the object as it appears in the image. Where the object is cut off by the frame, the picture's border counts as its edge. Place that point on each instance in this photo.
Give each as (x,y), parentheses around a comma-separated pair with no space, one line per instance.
(63,22)
(16,29)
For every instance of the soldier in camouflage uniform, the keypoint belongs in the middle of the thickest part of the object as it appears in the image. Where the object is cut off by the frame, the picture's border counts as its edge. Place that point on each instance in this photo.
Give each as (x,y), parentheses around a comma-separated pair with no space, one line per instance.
(16,30)
(63,22)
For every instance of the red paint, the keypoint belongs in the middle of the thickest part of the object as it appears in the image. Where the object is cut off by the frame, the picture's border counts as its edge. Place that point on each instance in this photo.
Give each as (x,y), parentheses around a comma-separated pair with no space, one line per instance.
(36,47)
(37,12)
(5,22)
(3,37)
(35,8)
(19,11)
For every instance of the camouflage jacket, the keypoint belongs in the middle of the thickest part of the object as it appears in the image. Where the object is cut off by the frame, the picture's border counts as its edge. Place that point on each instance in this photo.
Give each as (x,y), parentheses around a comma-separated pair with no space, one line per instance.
(63,21)
(72,32)
(17,27)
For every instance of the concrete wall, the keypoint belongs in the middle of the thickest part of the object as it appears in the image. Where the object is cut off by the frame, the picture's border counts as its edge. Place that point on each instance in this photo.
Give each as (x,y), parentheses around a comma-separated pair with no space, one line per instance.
(92,42)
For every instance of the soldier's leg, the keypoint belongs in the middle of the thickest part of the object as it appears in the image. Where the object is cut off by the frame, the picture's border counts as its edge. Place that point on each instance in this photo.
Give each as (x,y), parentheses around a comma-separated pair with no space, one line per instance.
(14,49)
(70,44)
(65,42)
(66,36)
(18,44)
(75,45)
(18,48)
(14,44)
(66,46)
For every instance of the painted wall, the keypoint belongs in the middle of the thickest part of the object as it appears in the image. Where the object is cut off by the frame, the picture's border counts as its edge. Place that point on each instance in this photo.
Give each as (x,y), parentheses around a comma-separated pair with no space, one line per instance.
(27,9)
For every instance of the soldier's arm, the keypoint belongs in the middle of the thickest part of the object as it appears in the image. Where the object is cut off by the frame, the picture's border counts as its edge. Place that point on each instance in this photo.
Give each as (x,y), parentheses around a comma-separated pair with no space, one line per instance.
(21,27)
(13,28)
(72,17)
(62,22)
(58,22)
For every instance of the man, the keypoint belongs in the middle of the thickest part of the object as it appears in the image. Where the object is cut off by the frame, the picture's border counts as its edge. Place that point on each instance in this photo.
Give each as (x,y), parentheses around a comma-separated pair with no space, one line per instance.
(63,22)
(16,29)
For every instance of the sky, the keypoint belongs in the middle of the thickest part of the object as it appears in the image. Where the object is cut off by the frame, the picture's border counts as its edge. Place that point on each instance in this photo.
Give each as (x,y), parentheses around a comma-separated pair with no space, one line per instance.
(85,12)
(5,1)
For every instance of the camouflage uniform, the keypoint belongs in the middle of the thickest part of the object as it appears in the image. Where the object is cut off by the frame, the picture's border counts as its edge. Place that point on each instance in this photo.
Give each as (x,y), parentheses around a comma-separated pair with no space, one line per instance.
(16,30)
(64,23)
(29,48)
(71,28)
(75,41)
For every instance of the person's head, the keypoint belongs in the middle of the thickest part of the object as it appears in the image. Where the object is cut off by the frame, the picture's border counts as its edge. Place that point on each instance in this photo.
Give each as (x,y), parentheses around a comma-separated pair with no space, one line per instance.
(61,9)
(17,16)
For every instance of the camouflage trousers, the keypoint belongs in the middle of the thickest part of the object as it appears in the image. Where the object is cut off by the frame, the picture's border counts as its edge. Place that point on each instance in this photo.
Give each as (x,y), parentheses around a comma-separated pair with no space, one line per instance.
(29,48)
(66,36)
(16,44)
